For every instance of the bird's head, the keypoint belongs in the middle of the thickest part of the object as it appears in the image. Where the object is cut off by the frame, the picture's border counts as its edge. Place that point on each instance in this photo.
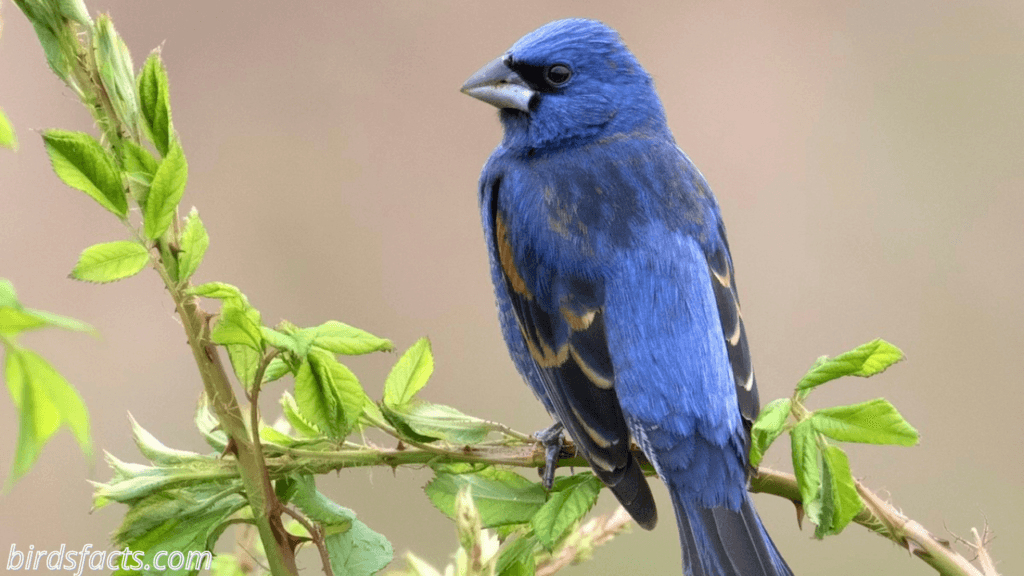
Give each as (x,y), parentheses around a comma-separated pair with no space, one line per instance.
(569,81)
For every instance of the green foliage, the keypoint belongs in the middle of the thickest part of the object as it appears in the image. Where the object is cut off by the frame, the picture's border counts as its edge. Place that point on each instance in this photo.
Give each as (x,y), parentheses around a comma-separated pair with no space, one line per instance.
(8,139)
(570,500)
(865,360)
(352,546)
(111,261)
(116,72)
(44,399)
(827,488)
(502,496)
(194,242)
(156,103)
(82,163)
(165,192)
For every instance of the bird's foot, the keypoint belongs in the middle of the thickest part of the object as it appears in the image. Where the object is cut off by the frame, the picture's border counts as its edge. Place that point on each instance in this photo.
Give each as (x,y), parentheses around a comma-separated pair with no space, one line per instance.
(551,438)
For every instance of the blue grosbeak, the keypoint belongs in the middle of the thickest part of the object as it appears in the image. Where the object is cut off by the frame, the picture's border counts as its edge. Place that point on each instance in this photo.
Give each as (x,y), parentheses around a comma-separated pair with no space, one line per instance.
(615,287)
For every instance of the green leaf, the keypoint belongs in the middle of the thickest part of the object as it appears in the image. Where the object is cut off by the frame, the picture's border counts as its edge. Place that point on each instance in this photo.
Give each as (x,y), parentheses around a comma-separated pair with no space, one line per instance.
(82,163)
(156,103)
(771,422)
(165,193)
(873,422)
(186,520)
(865,360)
(358,551)
(343,386)
(139,166)
(15,318)
(74,10)
(45,402)
(440,422)
(572,499)
(340,338)
(110,261)
(194,242)
(245,361)
(517,558)
(329,395)
(7,137)
(156,451)
(238,325)
(805,466)
(116,71)
(219,291)
(275,370)
(501,496)
(284,342)
(409,374)
(296,419)
(47,23)
(318,507)
(840,502)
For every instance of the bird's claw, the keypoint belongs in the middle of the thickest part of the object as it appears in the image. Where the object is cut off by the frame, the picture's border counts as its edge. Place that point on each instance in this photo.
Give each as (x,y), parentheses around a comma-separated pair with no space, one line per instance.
(551,438)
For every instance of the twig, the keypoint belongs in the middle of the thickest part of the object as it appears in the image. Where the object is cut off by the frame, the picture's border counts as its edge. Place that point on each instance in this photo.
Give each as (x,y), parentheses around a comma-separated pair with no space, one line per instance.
(316,534)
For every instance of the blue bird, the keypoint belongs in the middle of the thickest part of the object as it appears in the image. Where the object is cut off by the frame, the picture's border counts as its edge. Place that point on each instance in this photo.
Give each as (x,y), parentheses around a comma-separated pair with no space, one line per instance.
(615,287)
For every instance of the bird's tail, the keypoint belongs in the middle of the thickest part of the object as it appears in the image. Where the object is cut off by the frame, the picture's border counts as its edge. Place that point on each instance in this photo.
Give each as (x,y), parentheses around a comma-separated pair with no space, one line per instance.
(723,542)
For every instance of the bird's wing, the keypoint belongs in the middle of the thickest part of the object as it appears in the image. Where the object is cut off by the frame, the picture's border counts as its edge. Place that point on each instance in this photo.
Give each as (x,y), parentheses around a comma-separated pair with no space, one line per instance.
(728,304)
(560,315)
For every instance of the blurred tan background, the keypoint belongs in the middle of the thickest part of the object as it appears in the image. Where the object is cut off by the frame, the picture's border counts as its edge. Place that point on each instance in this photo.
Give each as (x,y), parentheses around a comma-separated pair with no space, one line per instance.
(867,156)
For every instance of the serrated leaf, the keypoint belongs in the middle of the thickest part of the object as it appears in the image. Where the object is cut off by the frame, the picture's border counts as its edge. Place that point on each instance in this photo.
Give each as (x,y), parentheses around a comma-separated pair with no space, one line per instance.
(238,325)
(501,496)
(316,404)
(165,192)
(194,242)
(116,71)
(47,23)
(245,361)
(155,102)
(771,422)
(409,374)
(318,507)
(82,163)
(873,422)
(7,137)
(341,384)
(296,419)
(358,551)
(573,498)
(275,370)
(283,342)
(110,261)
(340,338)
(517,558)
(139,167)
(156,451)
(806,469)
(865,360)
(437,421)
(187,520)
(45,402)
(840,502)
(219,291)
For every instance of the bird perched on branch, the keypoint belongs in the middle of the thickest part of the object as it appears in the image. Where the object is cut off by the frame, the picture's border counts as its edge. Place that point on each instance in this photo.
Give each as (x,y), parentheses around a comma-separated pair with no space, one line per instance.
(615,287)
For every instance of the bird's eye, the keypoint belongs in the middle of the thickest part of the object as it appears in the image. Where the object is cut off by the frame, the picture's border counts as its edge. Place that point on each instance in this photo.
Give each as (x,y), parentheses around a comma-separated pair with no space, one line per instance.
(557,74)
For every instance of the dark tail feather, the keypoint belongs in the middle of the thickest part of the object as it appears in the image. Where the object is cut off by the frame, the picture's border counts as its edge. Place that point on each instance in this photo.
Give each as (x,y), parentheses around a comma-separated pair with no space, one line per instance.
(723,542)
(631,489)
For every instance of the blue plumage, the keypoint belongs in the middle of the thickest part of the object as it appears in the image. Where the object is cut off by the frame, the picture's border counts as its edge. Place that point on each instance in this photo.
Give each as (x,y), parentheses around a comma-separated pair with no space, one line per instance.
(615,287)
